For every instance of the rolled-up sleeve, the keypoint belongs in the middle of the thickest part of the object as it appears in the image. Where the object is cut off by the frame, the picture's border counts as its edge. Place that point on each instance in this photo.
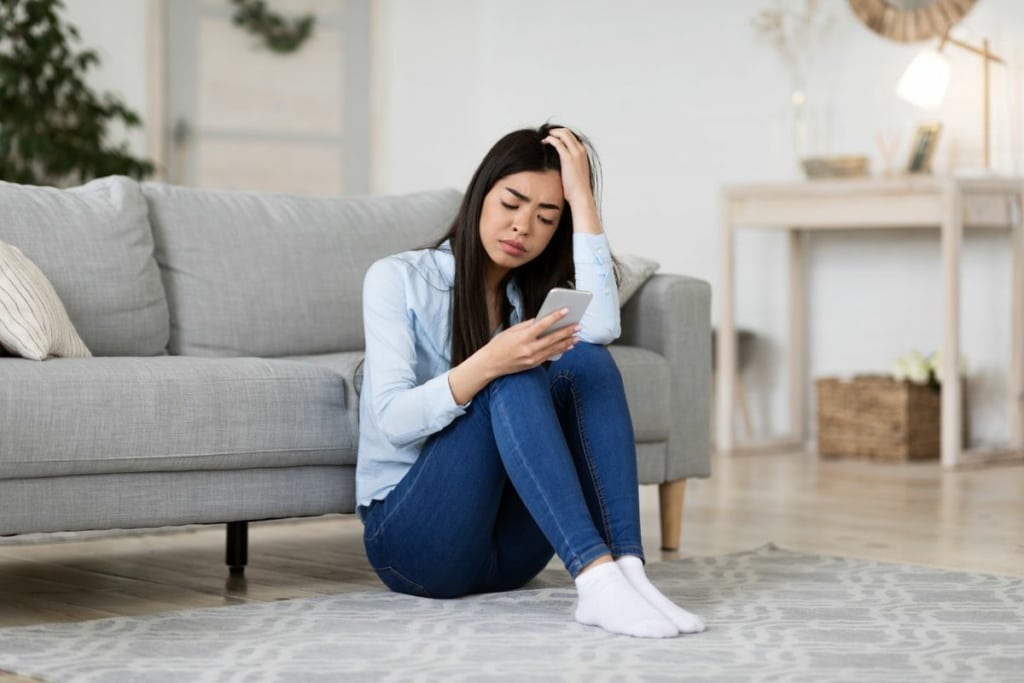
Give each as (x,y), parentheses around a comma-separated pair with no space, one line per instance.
(594,273)
(404,410)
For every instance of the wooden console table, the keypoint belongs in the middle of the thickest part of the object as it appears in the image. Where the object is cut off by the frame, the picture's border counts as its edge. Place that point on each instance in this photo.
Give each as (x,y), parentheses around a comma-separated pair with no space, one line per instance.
(949,204)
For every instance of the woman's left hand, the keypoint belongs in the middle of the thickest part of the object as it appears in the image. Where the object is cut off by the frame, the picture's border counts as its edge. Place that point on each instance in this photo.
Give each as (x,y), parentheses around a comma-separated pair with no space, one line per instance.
(575,166)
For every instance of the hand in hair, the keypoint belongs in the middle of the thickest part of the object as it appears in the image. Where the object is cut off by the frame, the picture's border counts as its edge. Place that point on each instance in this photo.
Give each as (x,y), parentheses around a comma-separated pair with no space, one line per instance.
(576,180)
(575,166)
(520,347)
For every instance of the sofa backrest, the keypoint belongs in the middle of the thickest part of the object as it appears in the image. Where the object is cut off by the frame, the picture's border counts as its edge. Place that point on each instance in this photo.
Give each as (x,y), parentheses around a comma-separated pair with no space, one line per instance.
(256,274)
(94,244)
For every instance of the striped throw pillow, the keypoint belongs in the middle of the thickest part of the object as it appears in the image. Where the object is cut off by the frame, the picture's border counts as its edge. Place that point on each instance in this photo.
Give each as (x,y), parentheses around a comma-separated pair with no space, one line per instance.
(33,322)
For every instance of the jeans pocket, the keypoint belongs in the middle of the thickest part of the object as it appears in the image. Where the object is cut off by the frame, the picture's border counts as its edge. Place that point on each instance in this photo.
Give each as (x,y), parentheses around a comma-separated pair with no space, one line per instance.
(397,582)
(380,558)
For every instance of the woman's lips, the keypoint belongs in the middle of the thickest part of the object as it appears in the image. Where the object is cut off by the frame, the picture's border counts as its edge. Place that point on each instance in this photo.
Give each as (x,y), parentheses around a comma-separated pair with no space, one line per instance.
(511,248)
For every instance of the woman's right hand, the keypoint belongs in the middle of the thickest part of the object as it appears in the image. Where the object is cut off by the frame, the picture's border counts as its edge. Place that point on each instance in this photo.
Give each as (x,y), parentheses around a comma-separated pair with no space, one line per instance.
(518,348)
(521,346)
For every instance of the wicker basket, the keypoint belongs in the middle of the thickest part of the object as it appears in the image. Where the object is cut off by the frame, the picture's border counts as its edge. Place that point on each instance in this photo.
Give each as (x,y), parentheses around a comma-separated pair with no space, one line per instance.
(877,418)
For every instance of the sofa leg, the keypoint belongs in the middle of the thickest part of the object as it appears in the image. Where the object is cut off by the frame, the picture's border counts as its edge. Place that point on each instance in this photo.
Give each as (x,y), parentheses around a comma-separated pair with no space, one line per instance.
(237,548)
(670,498)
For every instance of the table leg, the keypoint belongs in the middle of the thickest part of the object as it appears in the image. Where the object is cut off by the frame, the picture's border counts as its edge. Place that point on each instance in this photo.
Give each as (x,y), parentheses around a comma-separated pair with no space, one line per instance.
(1015,417)
(726,337)
(796,359)
(952,241)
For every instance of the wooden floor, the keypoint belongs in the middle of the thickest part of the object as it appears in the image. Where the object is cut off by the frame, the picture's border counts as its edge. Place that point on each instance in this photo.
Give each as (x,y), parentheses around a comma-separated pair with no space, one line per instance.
(971,519)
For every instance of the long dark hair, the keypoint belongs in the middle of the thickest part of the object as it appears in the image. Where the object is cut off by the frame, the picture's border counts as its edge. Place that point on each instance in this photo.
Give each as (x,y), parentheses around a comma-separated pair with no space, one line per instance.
(519,151)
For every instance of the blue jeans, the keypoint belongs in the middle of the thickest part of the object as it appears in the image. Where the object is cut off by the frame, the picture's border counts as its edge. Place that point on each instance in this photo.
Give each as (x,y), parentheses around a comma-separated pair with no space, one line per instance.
(542,462)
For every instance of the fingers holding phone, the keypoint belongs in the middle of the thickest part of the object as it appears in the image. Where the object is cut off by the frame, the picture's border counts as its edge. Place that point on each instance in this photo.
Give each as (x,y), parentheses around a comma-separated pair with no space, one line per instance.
(554,331)
(528,344)
(554,334)
(521,347)
(574,302)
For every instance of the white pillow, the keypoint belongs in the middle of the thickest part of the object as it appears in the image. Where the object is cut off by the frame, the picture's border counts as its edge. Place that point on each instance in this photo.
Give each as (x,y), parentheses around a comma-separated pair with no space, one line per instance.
(33,321)
(633,272)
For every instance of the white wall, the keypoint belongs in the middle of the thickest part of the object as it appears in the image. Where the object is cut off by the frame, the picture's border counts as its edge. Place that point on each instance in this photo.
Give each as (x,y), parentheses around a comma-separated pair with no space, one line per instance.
(680,96)
(116,30)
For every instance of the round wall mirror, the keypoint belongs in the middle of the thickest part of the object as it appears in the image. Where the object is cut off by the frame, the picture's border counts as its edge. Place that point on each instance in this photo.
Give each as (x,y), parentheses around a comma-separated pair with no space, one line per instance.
(909,21)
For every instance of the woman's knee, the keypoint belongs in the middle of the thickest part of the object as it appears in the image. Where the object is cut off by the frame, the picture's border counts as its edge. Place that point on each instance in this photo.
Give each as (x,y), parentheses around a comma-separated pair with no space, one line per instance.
(589,351)
(586,359)
(517,383)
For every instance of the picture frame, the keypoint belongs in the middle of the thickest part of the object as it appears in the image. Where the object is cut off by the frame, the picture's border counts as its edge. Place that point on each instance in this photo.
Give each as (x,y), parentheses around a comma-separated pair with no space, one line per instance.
(926,139)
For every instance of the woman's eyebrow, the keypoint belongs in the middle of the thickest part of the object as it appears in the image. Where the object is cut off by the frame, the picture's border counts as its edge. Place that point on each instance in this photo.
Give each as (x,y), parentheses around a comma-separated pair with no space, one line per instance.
(523,197)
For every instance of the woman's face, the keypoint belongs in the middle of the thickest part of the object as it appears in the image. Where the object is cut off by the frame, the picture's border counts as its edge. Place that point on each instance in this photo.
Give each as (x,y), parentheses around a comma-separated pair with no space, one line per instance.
(519,217)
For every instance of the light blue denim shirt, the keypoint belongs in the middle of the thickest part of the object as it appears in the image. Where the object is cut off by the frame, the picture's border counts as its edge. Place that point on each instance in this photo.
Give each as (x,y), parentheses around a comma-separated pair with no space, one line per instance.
(405,395)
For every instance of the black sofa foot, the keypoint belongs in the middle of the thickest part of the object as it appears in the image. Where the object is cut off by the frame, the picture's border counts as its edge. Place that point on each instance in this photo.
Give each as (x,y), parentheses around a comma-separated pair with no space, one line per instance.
(237,555)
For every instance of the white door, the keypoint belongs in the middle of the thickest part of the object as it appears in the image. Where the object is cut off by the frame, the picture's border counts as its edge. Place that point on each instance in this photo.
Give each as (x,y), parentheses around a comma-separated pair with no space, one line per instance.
(244,117)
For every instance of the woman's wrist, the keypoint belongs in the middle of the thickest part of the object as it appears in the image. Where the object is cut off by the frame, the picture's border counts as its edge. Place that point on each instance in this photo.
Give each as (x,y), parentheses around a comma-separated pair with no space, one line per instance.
(470,376)
(584,217)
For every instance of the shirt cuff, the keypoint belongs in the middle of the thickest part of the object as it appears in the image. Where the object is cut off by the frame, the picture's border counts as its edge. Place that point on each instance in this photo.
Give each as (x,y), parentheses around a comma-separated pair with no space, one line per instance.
(444,398)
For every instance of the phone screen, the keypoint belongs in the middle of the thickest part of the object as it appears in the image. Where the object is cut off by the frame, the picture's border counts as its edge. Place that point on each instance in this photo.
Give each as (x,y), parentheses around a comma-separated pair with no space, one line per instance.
(576,300)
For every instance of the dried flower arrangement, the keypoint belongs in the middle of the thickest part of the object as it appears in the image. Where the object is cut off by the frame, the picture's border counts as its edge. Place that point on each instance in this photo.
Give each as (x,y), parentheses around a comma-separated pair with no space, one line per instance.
(794,28)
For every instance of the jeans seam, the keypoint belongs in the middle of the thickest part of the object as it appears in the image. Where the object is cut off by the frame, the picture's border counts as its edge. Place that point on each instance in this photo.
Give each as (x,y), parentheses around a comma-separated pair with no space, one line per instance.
(585,443)
(547,503)
(380,527)
(377,532)
(425,592)
(578,562)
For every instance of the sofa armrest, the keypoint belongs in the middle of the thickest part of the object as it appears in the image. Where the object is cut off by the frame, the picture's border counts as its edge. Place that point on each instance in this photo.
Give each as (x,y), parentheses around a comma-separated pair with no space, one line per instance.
(671,315)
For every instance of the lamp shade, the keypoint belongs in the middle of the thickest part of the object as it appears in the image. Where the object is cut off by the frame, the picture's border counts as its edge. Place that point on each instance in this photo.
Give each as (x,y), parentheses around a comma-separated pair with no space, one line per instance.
(925,81)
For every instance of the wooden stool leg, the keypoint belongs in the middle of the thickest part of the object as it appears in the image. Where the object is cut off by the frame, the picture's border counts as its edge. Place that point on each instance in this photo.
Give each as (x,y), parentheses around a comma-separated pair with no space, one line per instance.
(670,498)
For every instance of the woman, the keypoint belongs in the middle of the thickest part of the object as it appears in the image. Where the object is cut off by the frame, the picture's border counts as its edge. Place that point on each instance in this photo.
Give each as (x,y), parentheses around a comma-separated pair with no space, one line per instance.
(479,458)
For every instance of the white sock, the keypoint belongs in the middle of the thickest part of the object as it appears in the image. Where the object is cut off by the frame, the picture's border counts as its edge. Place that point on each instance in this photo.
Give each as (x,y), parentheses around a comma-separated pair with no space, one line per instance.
(633,569)
(606,599)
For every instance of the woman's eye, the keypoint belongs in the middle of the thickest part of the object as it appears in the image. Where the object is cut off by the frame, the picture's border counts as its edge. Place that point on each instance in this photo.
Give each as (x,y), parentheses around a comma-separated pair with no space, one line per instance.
(509,206)
(546,221)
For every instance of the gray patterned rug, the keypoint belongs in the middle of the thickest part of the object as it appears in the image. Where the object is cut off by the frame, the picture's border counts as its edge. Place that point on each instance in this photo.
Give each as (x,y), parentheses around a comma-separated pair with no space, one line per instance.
(772,614)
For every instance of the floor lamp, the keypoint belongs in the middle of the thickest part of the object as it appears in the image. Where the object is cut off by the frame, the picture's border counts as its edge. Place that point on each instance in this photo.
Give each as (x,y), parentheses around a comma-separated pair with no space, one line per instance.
(925,80)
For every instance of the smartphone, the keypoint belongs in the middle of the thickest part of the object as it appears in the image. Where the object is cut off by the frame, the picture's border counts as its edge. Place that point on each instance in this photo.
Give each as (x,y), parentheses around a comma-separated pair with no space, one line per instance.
(576,300)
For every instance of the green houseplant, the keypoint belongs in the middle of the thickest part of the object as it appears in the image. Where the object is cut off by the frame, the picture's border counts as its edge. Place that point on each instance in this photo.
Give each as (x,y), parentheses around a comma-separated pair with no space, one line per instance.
(54,130)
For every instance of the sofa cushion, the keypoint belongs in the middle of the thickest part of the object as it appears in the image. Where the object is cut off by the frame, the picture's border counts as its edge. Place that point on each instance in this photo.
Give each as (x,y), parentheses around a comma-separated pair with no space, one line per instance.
(33,321)
(348,364)
(153,499)
(72,416)
(646,377)
(94,245)
(278,275)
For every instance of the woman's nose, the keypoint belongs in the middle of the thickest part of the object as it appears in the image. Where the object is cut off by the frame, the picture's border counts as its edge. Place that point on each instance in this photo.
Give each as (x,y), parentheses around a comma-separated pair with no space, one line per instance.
(520,222)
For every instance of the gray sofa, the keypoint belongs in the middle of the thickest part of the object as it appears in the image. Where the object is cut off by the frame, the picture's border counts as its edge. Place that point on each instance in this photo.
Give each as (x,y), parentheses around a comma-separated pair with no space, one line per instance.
(226,332)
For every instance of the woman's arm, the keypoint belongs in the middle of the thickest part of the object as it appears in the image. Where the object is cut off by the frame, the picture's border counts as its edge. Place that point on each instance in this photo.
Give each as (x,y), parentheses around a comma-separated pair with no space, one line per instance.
(591,253)
(404,410)
(518,348)
(576,180)
(594,273)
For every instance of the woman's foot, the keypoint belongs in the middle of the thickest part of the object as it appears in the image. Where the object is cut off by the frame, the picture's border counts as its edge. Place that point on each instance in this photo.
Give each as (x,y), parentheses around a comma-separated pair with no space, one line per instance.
(607,599)
(633,569)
